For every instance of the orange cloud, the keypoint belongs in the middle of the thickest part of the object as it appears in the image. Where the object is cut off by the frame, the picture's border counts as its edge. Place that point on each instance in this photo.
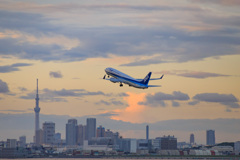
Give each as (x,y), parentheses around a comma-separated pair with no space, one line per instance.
(133,113)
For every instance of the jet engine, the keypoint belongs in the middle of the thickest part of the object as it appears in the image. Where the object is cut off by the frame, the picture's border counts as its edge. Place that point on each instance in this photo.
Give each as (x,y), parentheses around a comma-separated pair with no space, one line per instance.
(114,80)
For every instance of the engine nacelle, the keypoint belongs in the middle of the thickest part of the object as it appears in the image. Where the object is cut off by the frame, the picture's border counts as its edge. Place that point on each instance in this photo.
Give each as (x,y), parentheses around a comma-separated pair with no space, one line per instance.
(114,80)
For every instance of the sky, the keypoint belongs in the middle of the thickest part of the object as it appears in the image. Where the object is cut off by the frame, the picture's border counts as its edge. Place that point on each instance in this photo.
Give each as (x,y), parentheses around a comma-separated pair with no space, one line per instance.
(67,45)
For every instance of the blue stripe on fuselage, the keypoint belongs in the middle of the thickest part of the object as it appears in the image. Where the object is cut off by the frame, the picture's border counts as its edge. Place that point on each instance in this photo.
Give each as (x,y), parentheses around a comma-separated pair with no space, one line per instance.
(131,81)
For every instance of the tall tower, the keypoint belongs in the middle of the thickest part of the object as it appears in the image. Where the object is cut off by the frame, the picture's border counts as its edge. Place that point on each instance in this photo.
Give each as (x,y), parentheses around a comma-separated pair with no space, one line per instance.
(37,110)
(147,132)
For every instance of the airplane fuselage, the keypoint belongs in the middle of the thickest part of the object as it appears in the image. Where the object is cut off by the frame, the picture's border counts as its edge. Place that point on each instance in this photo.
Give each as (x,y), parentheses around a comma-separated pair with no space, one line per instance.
(123,78)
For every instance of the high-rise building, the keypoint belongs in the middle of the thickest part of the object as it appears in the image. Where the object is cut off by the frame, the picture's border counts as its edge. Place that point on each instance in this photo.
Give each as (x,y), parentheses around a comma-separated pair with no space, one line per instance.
(82,133)
(48,132)
(168,143)
(91,128)
(22,141)
(210,137)
(147,132)
(108,133)
(57,138)
(37,111)
(11,143)
(100,131)
(192,141)
(237,147)
(71,132)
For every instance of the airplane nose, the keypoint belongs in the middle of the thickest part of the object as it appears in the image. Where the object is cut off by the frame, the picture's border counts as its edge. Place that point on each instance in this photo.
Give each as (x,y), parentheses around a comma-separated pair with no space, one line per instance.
(106,70)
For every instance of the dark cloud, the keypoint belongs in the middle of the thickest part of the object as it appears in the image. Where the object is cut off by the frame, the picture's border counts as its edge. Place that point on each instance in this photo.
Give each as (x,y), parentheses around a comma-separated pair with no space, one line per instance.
(27,22)
(192,103)
(57,74)
(228,100)
(23,89)
(13,67)
(26,50)
(48,95)
(192,74)
(103,102)
(16,111)
(158,99)
(170,44)
(219,2)
(201,75)
(112,102)
(107,114)
(14,123)
(123,95)
(175,104)
(3,87)
(145,62)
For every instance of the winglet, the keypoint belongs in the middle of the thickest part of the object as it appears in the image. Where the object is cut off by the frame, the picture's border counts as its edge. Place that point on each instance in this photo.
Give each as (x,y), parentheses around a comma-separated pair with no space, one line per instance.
(161,76)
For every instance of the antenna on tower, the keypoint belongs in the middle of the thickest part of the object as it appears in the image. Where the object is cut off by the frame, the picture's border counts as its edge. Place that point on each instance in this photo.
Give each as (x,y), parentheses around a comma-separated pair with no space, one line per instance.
(37,85)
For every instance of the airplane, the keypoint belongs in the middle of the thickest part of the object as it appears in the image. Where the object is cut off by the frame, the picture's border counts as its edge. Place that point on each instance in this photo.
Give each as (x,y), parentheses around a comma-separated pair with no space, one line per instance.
(119,77)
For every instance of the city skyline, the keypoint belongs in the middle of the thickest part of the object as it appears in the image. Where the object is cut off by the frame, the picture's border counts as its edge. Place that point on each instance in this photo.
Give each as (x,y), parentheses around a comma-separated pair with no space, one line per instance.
(67,46)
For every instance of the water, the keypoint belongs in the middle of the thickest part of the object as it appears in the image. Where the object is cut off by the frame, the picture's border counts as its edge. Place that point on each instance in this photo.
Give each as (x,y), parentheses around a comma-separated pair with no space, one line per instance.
(145,158)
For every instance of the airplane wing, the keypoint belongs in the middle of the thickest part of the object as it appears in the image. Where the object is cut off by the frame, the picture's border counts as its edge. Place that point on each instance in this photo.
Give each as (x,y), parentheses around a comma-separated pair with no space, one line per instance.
(114,80)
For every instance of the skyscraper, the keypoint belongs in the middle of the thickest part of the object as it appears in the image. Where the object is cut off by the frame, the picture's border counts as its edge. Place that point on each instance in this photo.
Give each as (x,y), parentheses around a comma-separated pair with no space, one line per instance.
(81,134)
(37,110)
(210,137)
(48,133)
(91,128)
(22,141)
(147,132)
(100,131)
(168,143)
(71,132)
(192,141)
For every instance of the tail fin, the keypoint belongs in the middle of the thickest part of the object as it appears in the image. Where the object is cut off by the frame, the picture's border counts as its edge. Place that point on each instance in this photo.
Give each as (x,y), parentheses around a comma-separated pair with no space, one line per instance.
(147,78)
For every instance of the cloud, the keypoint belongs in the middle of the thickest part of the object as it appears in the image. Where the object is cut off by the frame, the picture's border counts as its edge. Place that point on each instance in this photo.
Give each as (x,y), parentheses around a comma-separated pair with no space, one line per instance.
(13,67)
(48,95)
(107,114)
(57,74)
(219,2)
(155,60)
(192,74)
(228,100)
(22,89)
(14,123)
(175,104)
(119,37)
(123,95)
(112,102)
(192,103)
(159,98)
(15,111)
(201,75)
(3,87)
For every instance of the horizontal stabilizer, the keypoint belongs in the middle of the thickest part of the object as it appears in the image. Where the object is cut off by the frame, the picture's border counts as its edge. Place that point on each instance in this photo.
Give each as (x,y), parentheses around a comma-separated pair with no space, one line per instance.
(154,86)
(157,78)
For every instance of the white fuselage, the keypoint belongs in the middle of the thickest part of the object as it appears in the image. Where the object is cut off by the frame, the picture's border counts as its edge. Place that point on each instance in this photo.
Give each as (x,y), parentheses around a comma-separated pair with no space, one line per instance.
(123,78)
